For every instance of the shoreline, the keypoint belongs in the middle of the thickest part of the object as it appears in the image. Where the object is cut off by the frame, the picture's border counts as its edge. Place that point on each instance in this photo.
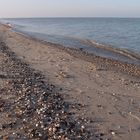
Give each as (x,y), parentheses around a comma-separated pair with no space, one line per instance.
(125,67)
(110,64)
(103,90)
(92,48)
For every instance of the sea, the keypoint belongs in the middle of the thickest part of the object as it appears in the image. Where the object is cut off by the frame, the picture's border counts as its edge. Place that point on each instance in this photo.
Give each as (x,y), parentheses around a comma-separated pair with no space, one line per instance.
(114,38)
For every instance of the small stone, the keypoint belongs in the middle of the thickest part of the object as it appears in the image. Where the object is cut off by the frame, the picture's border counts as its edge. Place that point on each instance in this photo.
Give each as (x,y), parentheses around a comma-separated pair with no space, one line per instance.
(37,125)
(40,135)
(54,129)
(50,129)
(83,127)
(113,133)
(99,105)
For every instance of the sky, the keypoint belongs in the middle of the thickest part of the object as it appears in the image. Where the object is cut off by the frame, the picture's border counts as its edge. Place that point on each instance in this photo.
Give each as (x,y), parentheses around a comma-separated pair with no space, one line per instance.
(69,8)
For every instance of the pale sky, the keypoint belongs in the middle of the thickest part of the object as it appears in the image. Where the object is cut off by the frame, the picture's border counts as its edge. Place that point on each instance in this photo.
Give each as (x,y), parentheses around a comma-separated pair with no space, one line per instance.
(69,8)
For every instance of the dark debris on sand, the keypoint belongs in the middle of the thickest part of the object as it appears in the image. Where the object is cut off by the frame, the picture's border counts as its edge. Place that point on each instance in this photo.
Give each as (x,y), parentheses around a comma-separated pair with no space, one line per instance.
(37,111)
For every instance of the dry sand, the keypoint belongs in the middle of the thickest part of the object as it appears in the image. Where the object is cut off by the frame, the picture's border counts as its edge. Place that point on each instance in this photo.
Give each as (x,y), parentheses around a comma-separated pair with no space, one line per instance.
(107,92)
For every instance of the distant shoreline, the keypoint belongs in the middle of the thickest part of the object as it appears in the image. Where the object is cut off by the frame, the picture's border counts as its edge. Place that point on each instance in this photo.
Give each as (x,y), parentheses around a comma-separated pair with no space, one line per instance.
(70,17)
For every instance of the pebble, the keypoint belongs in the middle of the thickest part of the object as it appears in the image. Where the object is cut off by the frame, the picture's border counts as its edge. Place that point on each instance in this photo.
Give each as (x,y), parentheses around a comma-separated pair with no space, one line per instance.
(113,133)
(38,110)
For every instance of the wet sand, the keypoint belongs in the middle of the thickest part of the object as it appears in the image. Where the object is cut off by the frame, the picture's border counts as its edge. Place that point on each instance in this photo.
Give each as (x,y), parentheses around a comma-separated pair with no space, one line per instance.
(103,93)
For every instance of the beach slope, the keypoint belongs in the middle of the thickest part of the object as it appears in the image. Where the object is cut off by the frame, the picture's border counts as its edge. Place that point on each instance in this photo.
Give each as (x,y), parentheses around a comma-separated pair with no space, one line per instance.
(106,93)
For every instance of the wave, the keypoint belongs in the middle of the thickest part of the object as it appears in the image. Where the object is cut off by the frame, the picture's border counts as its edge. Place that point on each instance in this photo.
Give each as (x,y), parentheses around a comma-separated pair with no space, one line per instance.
(124,52)
(108,51)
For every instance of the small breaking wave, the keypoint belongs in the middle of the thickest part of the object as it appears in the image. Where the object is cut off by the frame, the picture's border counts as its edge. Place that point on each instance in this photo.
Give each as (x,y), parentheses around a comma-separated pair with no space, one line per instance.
(124,52)
(107,51)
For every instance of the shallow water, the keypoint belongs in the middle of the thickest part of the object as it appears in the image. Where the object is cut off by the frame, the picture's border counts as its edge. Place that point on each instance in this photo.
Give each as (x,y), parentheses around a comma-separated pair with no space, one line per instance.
(120,33)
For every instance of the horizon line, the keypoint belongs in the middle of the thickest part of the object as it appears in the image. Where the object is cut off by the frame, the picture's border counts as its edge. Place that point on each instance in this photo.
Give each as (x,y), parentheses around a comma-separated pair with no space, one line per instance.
(68,17)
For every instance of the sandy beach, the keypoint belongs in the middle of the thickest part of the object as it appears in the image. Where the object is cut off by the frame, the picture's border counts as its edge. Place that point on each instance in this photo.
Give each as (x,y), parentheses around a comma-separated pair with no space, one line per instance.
(87,97)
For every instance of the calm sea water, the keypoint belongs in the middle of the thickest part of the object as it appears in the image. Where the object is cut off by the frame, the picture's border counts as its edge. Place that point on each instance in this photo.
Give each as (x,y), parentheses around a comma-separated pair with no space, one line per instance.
(122,33)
